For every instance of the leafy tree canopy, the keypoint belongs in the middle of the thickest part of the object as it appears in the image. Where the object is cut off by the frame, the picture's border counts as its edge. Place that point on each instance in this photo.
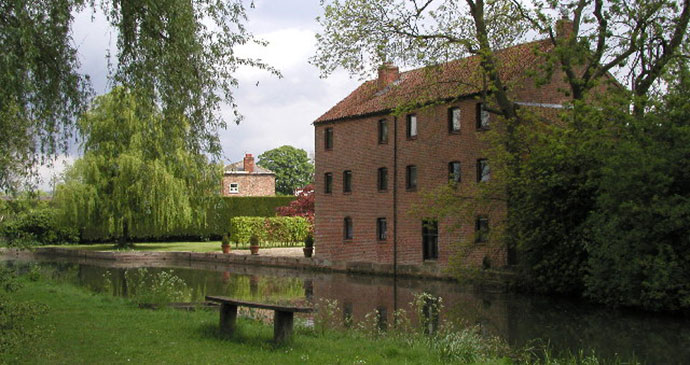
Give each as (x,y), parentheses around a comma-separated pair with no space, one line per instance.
(137,173)
(638,38)
(175,54)
(41,91)
(303,206)
(292,166)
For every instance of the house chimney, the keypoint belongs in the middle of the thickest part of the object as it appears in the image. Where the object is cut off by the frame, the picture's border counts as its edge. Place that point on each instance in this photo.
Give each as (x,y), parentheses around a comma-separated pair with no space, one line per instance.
(564,28)
(388,73)
(248,163)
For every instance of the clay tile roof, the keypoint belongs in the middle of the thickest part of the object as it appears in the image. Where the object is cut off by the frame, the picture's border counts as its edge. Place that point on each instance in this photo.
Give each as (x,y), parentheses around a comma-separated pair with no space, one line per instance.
(238,167)
(433,83)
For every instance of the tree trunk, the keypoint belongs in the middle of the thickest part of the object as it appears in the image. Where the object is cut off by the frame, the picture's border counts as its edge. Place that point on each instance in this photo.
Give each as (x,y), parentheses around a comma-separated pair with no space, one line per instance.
(124,241)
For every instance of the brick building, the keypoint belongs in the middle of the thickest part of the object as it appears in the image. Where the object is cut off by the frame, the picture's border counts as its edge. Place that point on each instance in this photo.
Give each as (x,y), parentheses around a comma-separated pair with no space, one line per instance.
(372,164)
(244,178)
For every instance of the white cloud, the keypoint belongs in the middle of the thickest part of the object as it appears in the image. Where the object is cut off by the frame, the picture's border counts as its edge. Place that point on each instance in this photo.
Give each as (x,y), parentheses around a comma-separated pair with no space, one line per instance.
(280,111)
(288,49)
(277,111)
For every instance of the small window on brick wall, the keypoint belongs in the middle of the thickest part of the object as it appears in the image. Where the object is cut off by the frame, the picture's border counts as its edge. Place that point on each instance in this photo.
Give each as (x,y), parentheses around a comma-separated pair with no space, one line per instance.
(411,177)
(328,139)
(430,239)
(483,170)
(454,174)
(383,131)
(328,182)
(481,229)
(382,180)
(347,228)
(454,120)
(482,116)
(381,229)
(411,130)
(347,181)
(234,188)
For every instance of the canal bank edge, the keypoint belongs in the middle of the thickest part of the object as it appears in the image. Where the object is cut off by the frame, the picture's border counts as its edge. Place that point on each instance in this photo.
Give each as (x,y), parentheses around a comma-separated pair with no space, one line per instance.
(300,263)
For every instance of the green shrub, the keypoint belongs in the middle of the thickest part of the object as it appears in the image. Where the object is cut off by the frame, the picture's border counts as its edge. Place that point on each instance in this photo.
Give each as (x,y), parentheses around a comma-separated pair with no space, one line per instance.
(37,226)
(273,229)
(219,212)
(309,240)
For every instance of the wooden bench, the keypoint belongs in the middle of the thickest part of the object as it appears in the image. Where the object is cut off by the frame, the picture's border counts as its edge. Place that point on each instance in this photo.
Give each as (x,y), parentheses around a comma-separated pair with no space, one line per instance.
(282,318)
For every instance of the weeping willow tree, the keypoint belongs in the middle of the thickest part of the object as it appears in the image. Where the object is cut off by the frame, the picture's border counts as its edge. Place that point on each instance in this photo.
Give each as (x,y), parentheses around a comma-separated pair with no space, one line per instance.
(178,54)
(137,175)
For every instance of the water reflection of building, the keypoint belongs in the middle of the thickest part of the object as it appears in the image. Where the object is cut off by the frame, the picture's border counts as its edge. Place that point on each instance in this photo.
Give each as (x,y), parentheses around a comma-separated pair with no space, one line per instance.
(358,296)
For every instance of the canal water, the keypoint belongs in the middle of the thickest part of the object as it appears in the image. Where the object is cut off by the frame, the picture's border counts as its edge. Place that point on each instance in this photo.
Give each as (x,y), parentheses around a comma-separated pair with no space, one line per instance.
(521,320)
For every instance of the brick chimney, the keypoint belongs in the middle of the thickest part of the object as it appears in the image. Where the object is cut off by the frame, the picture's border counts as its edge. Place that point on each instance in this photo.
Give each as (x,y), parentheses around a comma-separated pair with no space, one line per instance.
(564,28)
(248,163)
(388,73)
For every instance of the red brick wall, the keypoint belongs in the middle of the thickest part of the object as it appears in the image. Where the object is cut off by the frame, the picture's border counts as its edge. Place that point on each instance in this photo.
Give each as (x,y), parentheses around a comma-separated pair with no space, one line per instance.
(356,148)
(250,184)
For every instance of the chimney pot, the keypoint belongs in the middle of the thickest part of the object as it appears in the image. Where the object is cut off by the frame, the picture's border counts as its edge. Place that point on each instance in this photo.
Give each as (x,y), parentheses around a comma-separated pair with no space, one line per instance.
(249,163)
(388,73)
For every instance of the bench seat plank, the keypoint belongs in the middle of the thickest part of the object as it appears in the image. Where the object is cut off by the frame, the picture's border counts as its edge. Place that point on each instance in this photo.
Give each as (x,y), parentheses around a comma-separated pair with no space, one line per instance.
(275,307)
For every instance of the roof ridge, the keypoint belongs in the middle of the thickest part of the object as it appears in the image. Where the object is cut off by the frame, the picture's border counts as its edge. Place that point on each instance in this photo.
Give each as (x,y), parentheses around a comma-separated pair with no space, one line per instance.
(369,99)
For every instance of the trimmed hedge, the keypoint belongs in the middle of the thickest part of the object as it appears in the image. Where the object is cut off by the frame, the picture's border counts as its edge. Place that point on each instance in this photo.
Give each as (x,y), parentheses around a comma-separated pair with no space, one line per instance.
(273,229)
(217,223)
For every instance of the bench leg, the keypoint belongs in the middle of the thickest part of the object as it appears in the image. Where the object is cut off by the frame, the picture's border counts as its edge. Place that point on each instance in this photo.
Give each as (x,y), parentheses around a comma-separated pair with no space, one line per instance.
(228,316)
(282,326)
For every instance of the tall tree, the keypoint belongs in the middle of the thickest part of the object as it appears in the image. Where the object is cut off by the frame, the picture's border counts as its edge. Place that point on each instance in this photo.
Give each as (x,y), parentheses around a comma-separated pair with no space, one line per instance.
(176,54)
(638,40)
(293,168)
(137,175)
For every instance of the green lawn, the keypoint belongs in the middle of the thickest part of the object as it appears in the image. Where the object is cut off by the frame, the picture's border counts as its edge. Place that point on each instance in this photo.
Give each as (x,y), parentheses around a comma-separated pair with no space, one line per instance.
(80,327)
(210,246)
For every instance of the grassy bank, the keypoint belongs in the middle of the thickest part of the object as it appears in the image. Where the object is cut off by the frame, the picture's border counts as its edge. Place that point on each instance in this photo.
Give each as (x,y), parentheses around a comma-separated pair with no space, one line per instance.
(207,246)
(82,327)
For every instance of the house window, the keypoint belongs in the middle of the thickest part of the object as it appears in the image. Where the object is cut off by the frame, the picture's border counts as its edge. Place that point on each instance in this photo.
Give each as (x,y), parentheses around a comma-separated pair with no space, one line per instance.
(411,126)
(454,120)
(454,171)
(328,182)
(381,229)
(347,181)
(234,188)
(411,177)
(328,139)
(482,117)
(382,181)
(481,229)
(347,228)
(483,170)
(430,239)
(383,131)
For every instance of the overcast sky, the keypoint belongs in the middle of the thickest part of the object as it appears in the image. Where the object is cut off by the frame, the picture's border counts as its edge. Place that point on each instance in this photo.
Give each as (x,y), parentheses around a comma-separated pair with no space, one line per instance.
(277,111)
